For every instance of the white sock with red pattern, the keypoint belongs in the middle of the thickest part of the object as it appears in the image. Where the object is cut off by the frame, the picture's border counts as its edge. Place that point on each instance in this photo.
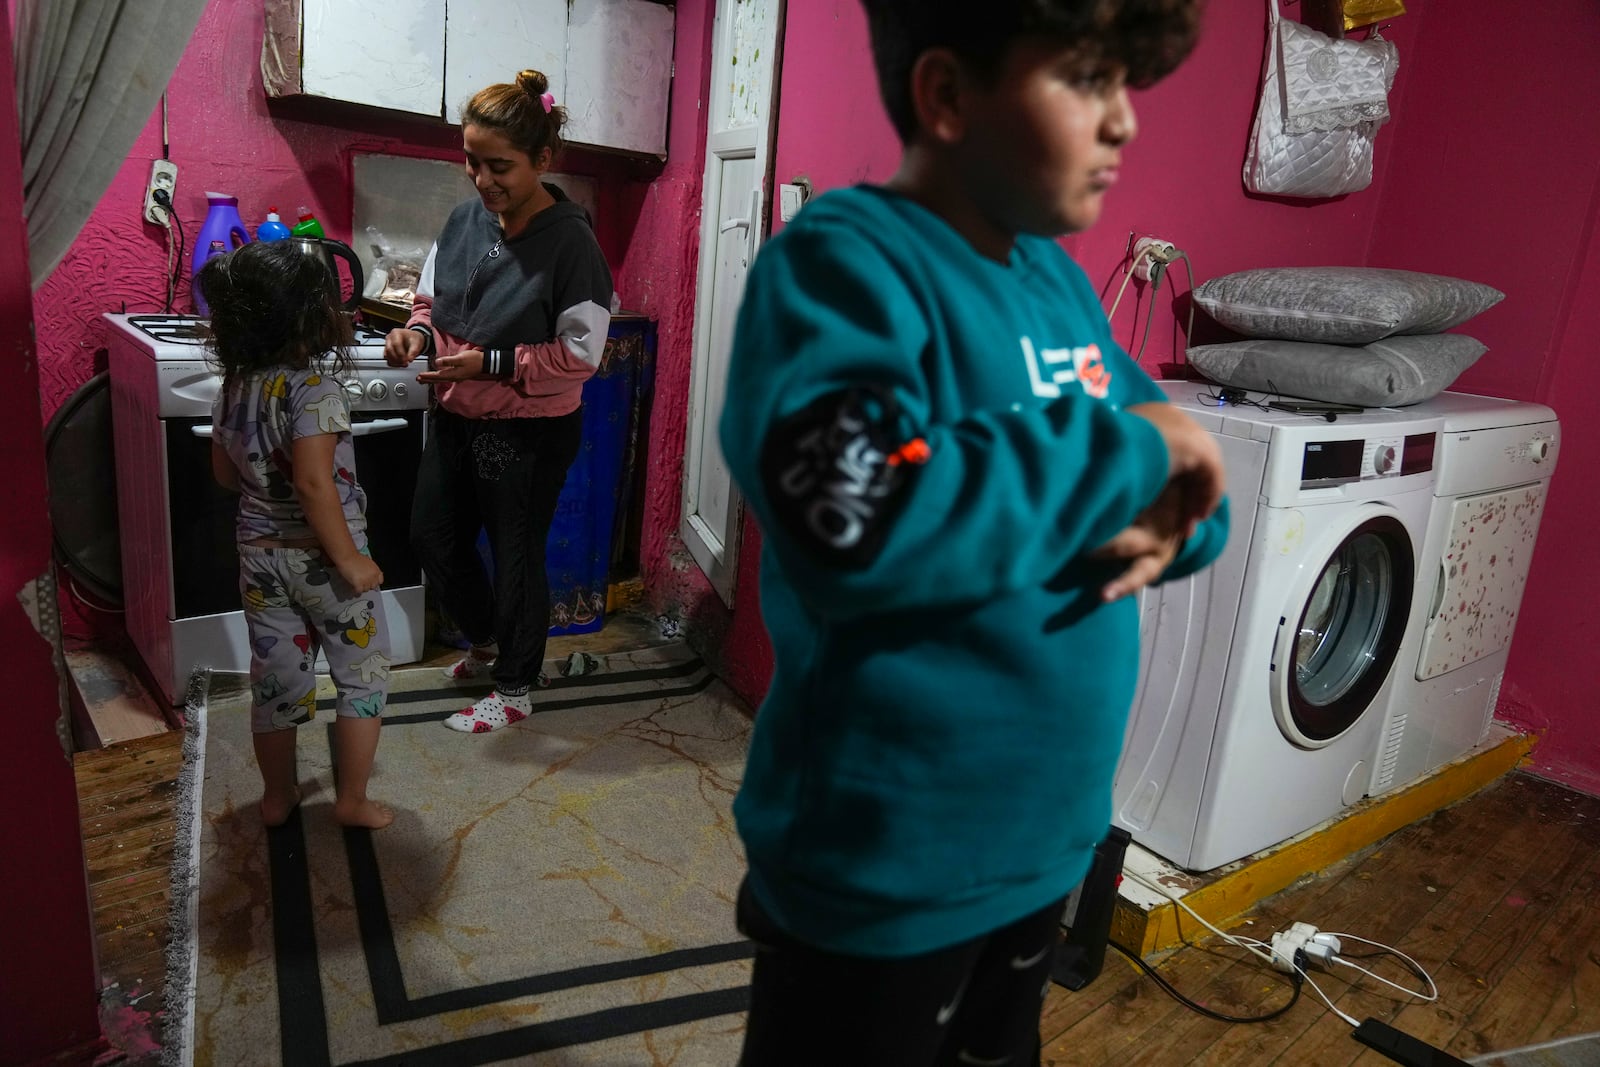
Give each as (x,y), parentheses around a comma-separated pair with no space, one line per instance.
(491,713)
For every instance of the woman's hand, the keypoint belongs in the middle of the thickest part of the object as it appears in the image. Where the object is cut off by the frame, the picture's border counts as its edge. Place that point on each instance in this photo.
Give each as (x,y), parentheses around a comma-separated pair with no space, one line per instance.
(402,346)
(465,364)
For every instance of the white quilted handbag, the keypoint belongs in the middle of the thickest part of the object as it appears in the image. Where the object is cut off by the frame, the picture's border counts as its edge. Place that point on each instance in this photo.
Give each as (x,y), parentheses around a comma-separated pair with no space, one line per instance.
(1322,101)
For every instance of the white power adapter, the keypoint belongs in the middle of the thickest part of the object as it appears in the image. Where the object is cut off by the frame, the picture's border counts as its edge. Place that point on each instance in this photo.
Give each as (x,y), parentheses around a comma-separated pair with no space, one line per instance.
(1303,937)
(1151,254)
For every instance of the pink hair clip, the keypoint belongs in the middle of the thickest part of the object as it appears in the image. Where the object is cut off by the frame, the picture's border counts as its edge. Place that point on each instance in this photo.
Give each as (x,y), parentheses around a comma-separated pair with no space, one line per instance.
(548,100)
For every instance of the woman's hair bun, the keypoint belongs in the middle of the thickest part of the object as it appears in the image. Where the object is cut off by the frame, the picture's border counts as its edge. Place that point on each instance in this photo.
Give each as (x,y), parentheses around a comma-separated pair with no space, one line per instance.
(532,82)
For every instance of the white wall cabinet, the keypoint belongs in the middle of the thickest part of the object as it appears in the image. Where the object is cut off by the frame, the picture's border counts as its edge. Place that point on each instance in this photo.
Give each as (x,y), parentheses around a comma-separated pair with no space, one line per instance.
(379,52)
(619,71)
(609,62)
(488,41)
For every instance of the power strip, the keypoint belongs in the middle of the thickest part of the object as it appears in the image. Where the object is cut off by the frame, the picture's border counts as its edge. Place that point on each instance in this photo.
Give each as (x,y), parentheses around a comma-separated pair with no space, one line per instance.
(1303,938)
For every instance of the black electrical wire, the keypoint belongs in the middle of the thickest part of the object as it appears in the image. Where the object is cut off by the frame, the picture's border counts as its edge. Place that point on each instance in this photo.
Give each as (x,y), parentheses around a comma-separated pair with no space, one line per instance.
(1296,978)
(177,265)
(1202,1009)
(164,201)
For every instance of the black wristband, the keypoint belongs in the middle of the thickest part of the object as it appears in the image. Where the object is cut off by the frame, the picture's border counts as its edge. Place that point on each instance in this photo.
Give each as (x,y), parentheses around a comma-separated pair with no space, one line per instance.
(427,338)
(499,362)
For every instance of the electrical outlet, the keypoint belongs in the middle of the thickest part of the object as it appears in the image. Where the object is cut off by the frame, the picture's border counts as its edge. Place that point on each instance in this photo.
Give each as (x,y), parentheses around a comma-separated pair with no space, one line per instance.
(1148,251)
(163,175)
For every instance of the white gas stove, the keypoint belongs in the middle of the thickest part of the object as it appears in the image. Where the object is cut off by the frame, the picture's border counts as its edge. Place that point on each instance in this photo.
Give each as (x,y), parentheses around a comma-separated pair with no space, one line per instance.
(179,558)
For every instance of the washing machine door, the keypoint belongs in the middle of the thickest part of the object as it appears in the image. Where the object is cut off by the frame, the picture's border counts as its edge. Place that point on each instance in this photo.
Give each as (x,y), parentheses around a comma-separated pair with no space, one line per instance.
(1341,630)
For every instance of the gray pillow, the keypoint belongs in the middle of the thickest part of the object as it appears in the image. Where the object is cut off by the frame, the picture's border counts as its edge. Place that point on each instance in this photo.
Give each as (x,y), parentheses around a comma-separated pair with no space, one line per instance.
(1341,305)
(1387,373)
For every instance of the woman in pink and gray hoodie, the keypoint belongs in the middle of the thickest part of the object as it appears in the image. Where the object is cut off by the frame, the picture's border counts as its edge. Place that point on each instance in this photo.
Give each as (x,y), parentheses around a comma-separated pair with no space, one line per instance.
(512,312)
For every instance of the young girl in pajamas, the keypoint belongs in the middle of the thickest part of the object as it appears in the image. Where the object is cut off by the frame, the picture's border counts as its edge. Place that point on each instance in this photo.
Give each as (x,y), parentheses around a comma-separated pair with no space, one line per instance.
(281,440)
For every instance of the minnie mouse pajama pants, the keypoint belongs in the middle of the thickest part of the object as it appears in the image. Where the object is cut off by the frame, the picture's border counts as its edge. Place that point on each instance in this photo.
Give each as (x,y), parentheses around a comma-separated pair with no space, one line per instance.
(294,603)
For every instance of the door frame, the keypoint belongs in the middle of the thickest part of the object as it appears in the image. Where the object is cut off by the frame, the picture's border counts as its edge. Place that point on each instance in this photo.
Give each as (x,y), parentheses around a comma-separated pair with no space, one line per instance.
(721,564)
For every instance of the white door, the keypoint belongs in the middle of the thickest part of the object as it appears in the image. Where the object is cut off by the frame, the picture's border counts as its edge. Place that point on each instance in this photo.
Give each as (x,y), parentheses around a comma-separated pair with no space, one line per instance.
(733,221)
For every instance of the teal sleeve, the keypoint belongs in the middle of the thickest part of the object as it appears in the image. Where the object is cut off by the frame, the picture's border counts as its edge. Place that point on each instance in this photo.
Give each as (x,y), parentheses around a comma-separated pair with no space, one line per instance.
(1005,497)
(1207,542)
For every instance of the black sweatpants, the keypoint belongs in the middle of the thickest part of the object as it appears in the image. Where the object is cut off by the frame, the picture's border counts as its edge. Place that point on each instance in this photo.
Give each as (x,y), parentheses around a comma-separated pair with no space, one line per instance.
(503,476)
(976,1002)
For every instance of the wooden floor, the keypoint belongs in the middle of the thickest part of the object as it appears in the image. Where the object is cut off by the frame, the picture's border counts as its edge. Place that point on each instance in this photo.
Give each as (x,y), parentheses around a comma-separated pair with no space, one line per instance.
(125,805)
(1498,897)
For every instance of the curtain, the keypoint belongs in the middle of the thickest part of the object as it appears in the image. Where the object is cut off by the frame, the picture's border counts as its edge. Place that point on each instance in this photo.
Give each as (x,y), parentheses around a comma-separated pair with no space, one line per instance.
(89,74)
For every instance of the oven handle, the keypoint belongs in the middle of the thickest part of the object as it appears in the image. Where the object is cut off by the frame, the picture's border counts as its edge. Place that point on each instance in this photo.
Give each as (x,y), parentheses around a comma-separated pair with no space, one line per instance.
(363,429)
(360,429)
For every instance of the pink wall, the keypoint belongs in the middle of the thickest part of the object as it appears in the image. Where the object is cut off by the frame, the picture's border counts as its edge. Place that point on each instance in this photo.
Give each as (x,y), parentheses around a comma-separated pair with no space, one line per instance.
(1478,149)
(47,972)
(658,277)
(225,138)
(1496,177)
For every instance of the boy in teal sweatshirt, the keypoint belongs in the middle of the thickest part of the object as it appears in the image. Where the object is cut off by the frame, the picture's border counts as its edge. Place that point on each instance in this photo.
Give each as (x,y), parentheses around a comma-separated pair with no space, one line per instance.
(960,478)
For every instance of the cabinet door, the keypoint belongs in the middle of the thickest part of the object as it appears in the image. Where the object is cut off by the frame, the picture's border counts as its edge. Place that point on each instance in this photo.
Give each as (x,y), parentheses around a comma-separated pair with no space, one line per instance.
(1481,578)
(387,53)
(619,71)
(488,41)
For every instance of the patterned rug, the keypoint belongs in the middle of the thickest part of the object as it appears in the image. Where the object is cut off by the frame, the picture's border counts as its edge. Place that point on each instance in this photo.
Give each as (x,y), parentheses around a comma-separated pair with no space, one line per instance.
(558,892)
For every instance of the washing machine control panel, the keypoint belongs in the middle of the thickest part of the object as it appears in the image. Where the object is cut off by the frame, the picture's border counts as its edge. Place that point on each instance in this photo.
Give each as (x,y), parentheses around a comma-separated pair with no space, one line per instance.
(1381,457)
(1331,463)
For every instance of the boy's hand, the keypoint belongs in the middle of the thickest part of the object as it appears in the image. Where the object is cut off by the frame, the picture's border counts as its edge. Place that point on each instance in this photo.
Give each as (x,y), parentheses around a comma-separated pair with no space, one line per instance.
(1194,463)
(402,346)
(1150,543)
(361,573)
(465,364)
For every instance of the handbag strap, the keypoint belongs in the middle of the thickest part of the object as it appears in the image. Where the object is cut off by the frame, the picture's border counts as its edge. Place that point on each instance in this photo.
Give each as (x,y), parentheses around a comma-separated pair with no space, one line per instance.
(1272,13)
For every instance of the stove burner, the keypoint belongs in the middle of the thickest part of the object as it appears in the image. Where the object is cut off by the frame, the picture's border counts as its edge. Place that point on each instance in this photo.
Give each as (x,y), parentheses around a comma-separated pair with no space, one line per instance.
(184,329)
(191,330)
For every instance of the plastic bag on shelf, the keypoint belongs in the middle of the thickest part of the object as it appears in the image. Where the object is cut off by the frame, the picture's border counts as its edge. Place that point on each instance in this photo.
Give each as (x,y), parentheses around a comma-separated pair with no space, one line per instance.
(395,271)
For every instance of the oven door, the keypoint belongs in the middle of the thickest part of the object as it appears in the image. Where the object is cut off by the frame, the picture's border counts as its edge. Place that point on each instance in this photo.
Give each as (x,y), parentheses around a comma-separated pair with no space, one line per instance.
(201,514)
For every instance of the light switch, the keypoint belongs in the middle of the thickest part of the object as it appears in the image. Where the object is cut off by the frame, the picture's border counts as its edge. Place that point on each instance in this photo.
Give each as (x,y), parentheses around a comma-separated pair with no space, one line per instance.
(790,198)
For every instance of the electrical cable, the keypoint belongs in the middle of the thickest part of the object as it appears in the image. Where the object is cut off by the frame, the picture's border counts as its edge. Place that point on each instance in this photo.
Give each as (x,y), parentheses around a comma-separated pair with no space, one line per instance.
(1254,946)
(1249,944)
(1160,263)
(1157,270)
(1166,986)
(1189,269)
(177,265)
(1246,943)
(174,264)
(166,224)
(1384,950)
(1147,250)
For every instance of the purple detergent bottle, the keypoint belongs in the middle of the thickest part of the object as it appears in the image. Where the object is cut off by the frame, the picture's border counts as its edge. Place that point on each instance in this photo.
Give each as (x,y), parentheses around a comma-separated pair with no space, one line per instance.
(222,231)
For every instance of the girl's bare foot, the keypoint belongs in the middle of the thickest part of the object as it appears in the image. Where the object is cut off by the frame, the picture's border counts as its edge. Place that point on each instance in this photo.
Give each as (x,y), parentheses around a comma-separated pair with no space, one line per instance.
(277,807)
(368,813)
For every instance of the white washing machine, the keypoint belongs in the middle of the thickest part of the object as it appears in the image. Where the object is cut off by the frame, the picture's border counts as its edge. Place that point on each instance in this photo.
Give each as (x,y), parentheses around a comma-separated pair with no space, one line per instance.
(1494,463)
(1265,679)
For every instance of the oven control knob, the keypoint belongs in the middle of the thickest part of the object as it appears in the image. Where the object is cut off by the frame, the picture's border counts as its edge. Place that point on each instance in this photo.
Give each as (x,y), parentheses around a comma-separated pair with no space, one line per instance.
(400,391)
(377,391)
(353,390)
(1539,449)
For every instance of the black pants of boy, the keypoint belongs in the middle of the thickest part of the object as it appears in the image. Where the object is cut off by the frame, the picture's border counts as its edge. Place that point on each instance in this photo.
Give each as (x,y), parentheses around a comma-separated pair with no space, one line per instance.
(502,476)
(976,1002)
